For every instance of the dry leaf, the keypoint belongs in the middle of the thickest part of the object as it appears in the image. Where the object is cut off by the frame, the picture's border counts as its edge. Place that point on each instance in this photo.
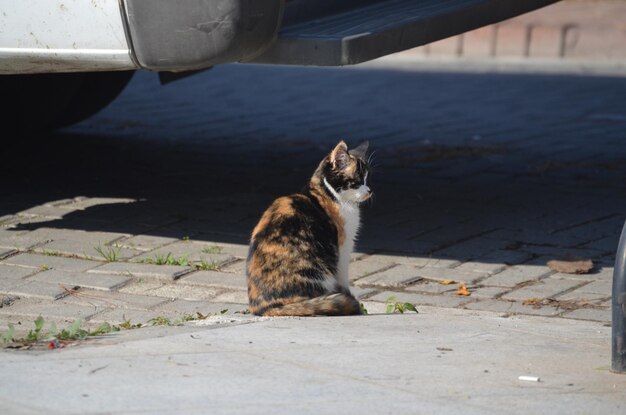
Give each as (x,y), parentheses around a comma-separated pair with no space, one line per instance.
(533,301)
(571,266)
(463,290)
(447,282)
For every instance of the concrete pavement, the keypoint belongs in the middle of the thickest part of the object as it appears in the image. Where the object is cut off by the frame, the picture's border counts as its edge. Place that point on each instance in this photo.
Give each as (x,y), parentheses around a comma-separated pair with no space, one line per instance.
(438,361)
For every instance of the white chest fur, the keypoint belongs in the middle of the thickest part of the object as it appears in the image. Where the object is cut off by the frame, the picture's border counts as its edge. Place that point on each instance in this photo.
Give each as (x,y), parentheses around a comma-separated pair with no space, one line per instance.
(352,220)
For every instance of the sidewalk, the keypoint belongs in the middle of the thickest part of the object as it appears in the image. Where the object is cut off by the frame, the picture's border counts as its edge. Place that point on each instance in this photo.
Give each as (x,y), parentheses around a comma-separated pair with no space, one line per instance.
(572,31)
(439,361)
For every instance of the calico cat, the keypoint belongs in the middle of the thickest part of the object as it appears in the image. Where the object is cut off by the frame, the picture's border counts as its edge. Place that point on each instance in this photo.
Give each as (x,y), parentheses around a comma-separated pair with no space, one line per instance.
(300,250)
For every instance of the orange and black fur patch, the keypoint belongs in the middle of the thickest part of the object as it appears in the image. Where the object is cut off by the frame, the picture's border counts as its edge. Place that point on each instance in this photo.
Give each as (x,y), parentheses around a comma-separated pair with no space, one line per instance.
(294,251)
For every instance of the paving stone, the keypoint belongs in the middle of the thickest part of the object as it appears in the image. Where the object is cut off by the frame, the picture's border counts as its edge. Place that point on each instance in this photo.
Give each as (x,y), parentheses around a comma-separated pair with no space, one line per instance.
(50,212)
(85,280)
(84,202)
(431,287)
(188,292)
(481,267)
(5,252)
(20,240)
(441,238)
(182,307)
(517,274)
(600,272)
(114,299)
(551,252)
(142,287)
(36,289)
(146,271)
(84,249)
(145,242)
(38,261)
(397,276)
(511,307)
(236,297)
(487,292)
(367,266)
(192,251)
(8,272)
(607,244)
(88,237)
(466,250)
(546,288)
(495,261)
(531,236)
(595,229)
(594,275)
(50,309)
(237,267)
(216,279)
(416,261)
(595,314)
(446,274)
(236,250)
(592,292)
(421,299)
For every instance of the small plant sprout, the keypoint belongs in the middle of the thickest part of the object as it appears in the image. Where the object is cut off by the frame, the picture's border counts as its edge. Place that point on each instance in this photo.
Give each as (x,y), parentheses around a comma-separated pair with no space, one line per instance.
(160,259)
(7,336)
(127,325)
(161,321)
(207,265)
(394,306)
(363,309)
(109,253)
(213,249)
(193,317)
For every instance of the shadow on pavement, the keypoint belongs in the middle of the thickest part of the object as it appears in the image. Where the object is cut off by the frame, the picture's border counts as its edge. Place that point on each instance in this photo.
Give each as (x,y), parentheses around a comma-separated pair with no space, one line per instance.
(467,164)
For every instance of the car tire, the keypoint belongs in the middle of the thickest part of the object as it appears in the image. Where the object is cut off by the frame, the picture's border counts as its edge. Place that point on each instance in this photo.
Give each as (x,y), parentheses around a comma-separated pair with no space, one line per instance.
(43,102)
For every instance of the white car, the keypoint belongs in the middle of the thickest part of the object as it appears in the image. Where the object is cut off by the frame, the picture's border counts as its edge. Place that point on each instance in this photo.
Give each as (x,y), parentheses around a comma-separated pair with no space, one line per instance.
(63,60)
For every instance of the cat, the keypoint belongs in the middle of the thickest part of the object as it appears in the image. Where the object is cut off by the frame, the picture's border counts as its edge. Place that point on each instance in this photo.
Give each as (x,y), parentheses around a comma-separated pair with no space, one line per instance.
(300,250)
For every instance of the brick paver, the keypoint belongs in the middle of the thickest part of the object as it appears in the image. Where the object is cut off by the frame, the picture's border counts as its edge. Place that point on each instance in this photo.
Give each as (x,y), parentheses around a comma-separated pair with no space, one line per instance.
(479,178)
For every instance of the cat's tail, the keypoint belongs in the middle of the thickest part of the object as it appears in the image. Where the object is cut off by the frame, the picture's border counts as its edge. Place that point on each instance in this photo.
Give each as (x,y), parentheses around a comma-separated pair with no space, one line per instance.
(337,304)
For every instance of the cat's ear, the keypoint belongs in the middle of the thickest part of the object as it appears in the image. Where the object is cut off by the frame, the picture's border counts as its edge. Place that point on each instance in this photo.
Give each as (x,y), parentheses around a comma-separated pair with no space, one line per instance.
(361,150)
(339,156)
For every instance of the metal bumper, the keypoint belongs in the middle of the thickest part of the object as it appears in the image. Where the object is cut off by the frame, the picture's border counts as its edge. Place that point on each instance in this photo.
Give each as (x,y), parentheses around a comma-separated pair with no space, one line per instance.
(184,35)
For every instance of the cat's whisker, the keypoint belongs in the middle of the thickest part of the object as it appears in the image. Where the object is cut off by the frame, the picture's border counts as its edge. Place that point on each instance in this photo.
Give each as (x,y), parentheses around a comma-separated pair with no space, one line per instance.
(371,157)
(371,200)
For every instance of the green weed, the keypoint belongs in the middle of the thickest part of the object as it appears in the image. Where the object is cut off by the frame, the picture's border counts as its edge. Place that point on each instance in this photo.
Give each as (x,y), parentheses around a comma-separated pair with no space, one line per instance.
(363,309)
(394,306)
(127,325)
(109,253)
(207,266)
(160,259)
(194,317)
(160,321)
(213,249)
